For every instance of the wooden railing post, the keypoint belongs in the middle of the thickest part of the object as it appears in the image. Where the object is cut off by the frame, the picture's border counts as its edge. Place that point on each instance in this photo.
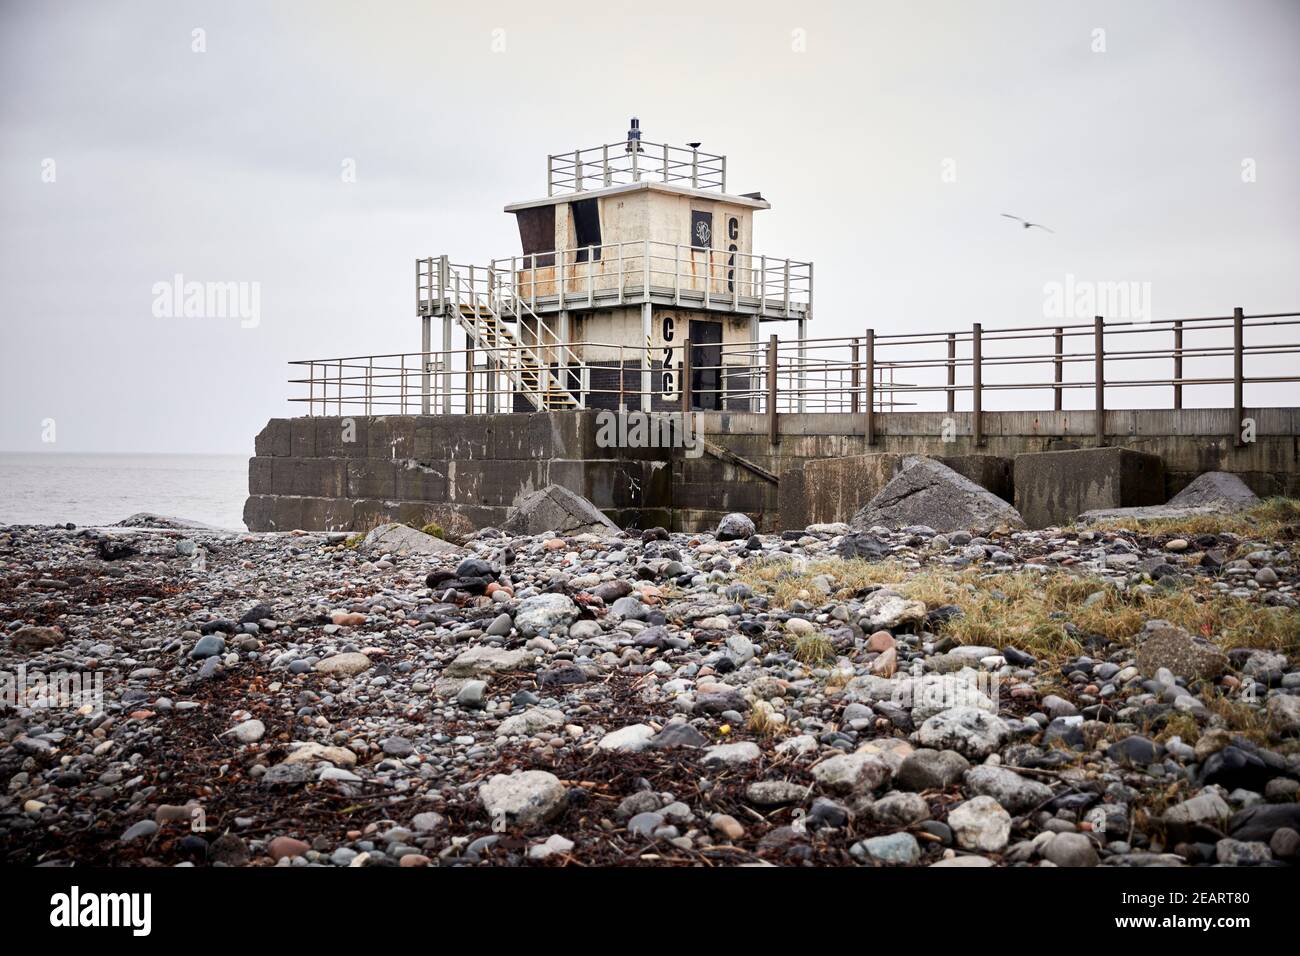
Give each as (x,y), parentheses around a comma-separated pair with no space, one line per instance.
(871,387)
(686,377)
(977,384)
(1058,368)
(1238,376)
(773,434)
(1099,376)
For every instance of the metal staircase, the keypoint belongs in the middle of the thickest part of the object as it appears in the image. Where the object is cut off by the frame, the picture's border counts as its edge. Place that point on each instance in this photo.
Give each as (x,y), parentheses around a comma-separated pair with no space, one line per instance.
(485,310)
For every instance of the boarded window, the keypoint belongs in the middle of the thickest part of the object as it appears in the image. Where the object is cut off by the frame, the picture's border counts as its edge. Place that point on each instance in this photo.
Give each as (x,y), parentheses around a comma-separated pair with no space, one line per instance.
(586,227)
(701,229)
(537,233)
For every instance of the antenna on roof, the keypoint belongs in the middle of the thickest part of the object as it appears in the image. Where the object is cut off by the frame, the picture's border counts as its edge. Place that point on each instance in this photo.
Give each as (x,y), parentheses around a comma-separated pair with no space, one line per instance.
(634,137)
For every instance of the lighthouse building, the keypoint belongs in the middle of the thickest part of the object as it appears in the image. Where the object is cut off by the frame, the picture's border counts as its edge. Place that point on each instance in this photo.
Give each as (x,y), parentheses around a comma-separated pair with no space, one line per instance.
(636,255)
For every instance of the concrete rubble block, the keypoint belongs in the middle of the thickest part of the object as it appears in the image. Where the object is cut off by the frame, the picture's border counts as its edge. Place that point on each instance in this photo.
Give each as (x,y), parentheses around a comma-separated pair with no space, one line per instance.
(1055,487)
(555,508)
(394,538)
(368,478)
(927,492)
(273,440)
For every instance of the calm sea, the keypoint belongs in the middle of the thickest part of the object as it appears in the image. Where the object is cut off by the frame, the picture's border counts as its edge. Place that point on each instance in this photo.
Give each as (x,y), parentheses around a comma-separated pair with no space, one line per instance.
(55,488)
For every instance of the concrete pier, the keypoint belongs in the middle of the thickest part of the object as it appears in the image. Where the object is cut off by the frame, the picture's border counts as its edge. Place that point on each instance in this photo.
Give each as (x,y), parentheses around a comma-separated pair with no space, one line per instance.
(342,473)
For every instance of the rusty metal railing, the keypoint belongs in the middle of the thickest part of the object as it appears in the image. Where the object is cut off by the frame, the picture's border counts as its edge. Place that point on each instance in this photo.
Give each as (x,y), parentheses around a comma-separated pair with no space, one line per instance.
(869,374)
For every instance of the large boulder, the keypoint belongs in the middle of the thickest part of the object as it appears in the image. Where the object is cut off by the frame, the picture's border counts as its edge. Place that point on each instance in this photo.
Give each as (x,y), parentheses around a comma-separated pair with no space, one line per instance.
(556,508)
(1219,488)
(928,492)
(734,526)
(394,538)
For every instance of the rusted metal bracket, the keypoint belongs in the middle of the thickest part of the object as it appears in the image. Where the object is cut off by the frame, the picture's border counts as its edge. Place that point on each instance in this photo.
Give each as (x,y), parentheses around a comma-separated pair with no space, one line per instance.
(731,458)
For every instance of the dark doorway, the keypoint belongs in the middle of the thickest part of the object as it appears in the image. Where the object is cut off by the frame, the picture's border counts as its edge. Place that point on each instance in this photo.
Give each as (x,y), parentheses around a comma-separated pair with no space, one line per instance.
(586,227)
(706,357)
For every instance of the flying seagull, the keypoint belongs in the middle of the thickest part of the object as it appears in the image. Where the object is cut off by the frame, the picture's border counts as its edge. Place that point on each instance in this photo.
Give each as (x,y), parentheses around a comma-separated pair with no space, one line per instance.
(1027,224)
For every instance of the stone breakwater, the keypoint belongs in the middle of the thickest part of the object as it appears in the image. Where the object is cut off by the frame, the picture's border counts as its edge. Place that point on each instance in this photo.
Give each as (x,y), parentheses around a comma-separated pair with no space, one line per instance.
(650,698)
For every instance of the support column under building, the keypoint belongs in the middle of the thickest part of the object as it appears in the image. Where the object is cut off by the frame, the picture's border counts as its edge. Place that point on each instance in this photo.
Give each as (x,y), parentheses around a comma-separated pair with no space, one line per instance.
(802,379)
(446,363)
(426,343)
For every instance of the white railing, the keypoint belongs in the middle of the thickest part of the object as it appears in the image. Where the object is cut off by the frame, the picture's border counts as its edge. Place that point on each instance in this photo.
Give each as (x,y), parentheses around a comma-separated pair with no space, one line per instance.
(470,294)
(634,161)
(626,273)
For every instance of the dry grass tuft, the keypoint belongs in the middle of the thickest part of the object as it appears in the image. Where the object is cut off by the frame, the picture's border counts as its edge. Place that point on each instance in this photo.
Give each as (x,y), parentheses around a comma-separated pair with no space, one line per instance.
(814,649)
(1029,609)
(765,721)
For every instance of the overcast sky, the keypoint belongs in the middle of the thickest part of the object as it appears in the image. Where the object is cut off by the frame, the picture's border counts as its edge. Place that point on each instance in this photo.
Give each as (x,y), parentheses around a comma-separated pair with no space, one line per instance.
(887,136)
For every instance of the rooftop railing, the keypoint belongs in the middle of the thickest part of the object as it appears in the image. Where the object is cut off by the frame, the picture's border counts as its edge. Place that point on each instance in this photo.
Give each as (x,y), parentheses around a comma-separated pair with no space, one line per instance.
(619,164)
(622,273)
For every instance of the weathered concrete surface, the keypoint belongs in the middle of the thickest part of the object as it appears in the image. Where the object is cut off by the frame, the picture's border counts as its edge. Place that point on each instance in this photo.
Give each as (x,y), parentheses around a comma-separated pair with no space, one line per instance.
(928,492)
(330,473)
(341,473)
(1191,441)
(1055,487)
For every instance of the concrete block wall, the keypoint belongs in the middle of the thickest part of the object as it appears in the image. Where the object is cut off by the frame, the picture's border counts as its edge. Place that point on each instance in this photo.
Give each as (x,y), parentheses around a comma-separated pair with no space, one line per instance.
(1190,442)
(335,473)
(308,474)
